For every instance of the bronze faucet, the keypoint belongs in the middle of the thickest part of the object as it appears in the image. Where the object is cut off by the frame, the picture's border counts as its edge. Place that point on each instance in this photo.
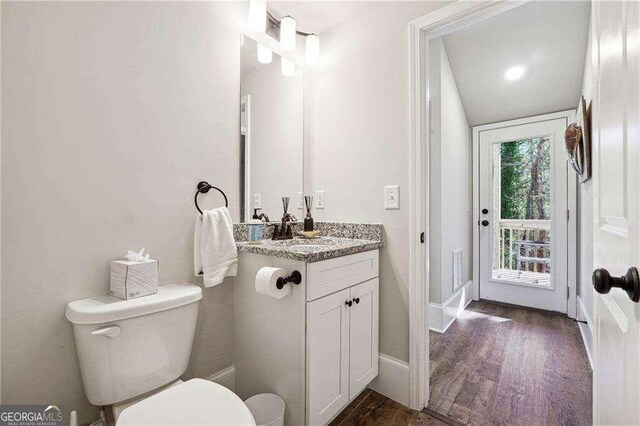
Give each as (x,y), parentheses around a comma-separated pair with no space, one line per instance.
(285,232)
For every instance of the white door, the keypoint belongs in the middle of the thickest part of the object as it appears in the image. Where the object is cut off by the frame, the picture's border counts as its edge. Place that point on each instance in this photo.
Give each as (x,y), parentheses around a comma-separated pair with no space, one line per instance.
(523,213)
(363,341)
(616,194)
(327,356)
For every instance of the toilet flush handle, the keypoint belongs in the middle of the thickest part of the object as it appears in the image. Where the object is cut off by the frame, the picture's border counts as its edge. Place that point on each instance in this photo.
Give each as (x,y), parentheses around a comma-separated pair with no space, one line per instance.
(109,331)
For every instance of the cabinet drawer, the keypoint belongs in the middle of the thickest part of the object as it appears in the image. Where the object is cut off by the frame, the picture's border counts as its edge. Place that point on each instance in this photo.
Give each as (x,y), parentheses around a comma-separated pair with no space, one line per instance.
(329,276)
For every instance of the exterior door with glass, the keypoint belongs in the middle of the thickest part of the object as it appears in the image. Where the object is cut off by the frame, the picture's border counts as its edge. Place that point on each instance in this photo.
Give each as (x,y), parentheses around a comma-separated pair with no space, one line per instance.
(523,213)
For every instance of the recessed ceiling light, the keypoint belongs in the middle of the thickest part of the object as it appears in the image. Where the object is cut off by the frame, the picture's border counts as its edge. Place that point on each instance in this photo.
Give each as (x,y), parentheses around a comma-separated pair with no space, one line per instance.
(515,73)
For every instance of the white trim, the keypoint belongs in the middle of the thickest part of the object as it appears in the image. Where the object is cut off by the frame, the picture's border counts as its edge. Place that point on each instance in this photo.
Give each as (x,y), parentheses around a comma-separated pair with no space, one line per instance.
(418,223)
(475,245)
(567,114)
(587,336)
(586,330)
(248,191)
(226,378)
(393,379)
(441,316)
(449,18)
(583,314)
(594,46)
(572,237)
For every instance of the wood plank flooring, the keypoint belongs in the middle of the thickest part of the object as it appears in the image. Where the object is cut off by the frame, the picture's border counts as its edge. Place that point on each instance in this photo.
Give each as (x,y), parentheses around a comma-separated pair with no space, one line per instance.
(496,365)
(506,365)
(371,408)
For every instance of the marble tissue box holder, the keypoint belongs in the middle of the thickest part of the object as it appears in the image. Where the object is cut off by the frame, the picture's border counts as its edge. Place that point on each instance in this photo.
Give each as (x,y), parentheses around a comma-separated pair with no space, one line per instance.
(130,280)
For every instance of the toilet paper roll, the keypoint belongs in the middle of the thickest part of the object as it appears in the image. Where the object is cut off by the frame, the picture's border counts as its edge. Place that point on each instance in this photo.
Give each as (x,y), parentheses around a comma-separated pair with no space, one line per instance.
(266,282)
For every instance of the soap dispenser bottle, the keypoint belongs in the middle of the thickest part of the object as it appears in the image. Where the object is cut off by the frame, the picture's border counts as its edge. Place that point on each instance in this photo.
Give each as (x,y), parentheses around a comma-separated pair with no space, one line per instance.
(308,220)
(255,227)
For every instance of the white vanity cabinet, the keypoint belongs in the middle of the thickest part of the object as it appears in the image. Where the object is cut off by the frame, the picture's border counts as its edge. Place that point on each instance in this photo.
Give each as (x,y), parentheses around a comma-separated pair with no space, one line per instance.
(318,347)
(342,332)
(342,349)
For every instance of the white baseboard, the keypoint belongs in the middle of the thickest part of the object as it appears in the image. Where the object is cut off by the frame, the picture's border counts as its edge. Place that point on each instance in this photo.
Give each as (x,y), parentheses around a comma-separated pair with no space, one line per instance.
(586,330)
(226,378)
(392,380)
(441,316)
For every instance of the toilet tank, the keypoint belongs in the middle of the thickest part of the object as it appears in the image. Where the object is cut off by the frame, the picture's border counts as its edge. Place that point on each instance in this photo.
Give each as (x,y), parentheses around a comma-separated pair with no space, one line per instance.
(129,347)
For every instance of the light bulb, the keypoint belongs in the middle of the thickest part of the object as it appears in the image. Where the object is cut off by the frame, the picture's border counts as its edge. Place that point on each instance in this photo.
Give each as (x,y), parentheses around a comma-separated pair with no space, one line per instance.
(515,73)
(288,67)
(312,50)
(265,55)
(258,16)
(288,33)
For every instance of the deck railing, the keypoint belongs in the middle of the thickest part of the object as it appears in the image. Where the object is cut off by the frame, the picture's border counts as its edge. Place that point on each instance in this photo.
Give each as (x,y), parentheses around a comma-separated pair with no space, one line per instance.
(524,245)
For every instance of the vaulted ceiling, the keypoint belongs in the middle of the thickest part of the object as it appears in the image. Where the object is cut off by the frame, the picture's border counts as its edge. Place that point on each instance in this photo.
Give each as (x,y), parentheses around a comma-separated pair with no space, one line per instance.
(548,38)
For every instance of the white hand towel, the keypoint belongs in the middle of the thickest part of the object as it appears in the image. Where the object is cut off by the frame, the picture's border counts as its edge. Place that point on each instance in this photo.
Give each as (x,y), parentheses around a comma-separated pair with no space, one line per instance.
(215,252)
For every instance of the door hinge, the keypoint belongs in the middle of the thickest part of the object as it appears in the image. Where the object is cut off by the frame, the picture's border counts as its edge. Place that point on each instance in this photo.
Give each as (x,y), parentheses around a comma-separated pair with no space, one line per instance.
(568,292)
(567,215)
(422,237)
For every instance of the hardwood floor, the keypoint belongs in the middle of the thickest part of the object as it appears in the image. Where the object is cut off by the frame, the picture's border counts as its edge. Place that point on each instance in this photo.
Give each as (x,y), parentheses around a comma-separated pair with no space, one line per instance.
(371,408)
(496,365)
(506,365)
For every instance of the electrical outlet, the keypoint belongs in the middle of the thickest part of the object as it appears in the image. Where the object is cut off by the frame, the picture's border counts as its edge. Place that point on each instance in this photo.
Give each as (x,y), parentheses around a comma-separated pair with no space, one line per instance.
(391,197)
(257,201)
(320,201)
(300,201)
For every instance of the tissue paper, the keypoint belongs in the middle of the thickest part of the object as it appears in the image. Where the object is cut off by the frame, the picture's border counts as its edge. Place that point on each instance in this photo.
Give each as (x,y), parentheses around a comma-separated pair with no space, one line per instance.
(135,277)
(133,256)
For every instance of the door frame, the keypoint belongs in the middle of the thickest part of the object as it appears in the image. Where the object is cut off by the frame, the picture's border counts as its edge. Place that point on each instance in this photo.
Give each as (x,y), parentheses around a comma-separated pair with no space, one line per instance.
(444,20)
(248,204)
(572,200)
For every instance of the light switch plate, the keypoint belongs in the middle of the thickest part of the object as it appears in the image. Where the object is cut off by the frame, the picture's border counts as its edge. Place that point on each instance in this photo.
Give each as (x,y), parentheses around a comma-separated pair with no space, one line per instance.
(320,201)
(300,200)
(392,197)
(257,201)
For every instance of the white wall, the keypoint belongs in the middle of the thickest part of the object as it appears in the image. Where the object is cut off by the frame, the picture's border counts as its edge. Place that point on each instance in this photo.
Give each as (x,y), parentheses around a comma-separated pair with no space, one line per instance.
(111,113)
(276,136)
(359,143)
(450,177)
(585,206)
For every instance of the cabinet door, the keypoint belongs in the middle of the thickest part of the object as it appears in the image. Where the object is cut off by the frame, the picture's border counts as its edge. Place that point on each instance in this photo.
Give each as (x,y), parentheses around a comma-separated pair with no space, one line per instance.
(327,357)
(363,339)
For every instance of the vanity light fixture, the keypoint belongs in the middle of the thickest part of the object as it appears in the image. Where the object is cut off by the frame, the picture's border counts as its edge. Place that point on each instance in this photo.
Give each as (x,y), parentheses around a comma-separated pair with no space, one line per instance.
(258,16)
(288,68)
(288,33)
(312,49)
(515,73)
(265,55)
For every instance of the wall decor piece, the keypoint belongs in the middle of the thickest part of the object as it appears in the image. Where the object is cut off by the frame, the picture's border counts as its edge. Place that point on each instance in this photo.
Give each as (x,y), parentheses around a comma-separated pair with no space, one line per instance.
(577,142)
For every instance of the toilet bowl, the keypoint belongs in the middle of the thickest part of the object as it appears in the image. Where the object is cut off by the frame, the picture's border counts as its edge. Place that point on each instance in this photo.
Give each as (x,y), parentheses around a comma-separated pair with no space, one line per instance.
(130,351)
(194,402)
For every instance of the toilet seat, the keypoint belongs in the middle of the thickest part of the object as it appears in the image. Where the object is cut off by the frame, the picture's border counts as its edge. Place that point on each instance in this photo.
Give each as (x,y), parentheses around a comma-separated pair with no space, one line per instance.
(194,402)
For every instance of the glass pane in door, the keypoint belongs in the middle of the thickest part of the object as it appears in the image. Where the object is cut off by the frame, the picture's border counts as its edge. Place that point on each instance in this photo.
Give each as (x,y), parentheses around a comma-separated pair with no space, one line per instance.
(521,193)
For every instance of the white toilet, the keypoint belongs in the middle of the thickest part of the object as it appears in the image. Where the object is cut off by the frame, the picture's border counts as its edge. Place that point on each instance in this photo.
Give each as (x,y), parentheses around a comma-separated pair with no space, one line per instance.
(132,352)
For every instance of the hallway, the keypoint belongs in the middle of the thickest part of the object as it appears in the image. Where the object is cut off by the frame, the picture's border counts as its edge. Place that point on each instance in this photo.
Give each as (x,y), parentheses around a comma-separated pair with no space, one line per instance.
(501,364)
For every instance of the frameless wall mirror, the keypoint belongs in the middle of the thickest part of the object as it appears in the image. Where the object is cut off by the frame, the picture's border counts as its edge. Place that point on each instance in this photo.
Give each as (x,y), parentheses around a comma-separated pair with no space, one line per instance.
(271,132)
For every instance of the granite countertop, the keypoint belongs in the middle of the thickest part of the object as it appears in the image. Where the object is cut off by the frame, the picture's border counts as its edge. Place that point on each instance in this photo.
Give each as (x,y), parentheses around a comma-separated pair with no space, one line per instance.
(312,249)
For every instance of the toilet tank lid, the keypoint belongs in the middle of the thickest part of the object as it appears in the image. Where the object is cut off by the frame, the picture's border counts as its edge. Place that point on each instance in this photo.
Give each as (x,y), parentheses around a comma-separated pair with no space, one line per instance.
(103,309)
